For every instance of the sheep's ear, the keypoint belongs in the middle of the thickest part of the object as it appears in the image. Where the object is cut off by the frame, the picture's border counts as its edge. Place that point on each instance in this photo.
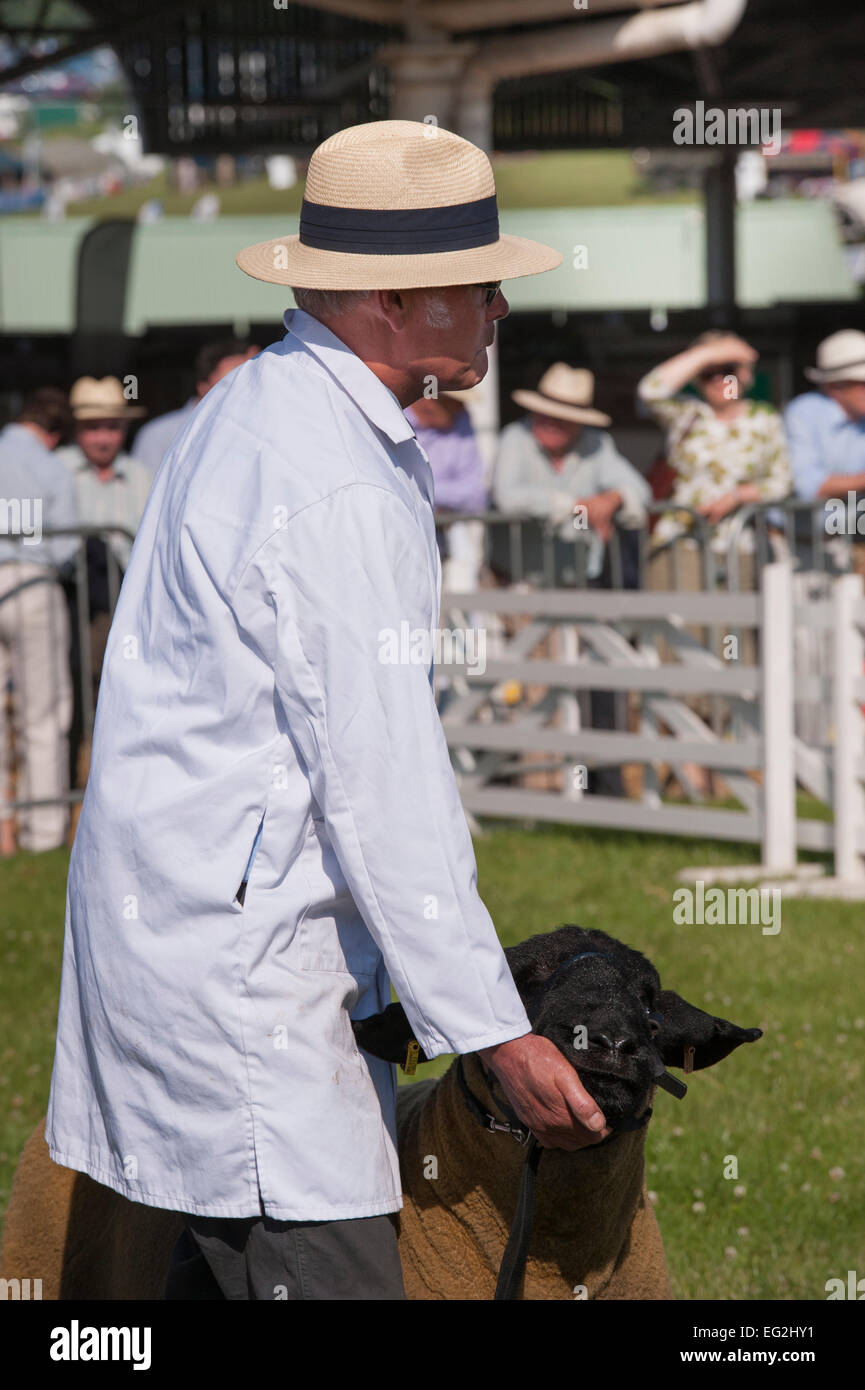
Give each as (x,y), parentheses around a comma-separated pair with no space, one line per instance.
(386,1035)
(683,1026)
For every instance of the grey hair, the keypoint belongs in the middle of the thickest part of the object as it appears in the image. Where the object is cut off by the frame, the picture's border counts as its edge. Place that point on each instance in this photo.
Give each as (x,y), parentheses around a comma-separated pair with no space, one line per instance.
(324,304)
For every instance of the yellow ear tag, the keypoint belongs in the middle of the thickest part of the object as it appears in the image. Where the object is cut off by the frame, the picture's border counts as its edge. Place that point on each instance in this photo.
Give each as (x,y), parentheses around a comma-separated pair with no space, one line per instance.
(409,1066)
(689,1060)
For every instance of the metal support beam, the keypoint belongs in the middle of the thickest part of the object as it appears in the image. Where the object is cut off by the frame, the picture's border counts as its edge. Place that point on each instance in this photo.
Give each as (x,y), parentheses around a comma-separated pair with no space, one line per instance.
(720,206)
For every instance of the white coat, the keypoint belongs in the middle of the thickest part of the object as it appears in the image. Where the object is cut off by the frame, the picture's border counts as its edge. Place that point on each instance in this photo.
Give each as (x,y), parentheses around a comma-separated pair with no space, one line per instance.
(205,1059)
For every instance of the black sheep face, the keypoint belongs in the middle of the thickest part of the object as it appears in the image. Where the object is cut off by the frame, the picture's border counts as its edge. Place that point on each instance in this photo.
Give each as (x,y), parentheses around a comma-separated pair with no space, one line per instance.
(601,1022)
(602,1004)
(586,988)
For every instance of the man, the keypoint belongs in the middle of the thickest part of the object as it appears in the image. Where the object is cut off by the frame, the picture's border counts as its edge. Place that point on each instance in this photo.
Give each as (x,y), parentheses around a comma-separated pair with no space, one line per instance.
(36,495)
(826,436)
(826,427)
(560,463)
(111,490)
(213,362)
(111,487)
(272,826)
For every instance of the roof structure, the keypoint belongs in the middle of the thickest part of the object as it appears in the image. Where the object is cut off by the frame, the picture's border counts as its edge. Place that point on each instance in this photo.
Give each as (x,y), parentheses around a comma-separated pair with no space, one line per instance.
(246,75)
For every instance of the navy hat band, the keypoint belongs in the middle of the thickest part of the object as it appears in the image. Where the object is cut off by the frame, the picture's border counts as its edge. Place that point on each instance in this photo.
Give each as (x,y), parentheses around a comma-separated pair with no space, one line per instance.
(400,231)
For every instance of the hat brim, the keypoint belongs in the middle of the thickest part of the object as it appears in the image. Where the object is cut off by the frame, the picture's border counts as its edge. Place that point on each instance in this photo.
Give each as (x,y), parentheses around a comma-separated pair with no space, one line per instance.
(98,412)
(286,261)
(581,414)
(818,374)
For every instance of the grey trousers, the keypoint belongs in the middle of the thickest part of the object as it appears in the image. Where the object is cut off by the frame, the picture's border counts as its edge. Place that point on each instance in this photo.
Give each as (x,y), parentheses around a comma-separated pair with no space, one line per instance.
(260,1258)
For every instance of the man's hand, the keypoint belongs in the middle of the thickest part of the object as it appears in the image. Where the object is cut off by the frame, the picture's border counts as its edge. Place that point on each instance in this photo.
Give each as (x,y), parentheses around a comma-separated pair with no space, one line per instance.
(600,510)
(839,484)
(546,1093)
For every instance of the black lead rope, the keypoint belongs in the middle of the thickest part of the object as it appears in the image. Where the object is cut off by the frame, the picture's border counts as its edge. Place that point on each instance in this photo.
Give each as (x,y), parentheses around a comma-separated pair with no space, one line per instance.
(513,1265)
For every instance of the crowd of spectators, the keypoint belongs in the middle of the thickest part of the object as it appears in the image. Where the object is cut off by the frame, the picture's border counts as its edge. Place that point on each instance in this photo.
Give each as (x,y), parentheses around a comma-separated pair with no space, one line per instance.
(64,466)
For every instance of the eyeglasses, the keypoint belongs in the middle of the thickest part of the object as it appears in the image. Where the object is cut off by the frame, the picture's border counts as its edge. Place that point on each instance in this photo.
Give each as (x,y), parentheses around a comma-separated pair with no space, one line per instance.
(491,289)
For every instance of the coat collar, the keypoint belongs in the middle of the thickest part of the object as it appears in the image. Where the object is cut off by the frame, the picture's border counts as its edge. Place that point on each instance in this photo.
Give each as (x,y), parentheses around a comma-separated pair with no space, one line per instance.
(377,401)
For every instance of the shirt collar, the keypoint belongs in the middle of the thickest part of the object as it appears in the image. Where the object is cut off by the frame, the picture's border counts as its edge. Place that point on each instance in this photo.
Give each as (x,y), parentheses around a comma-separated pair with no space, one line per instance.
(377,401)
(83,465)
(838,416)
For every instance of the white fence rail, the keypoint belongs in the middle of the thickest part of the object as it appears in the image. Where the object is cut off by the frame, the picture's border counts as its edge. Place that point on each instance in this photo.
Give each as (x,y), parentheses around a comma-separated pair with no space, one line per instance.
(618,641)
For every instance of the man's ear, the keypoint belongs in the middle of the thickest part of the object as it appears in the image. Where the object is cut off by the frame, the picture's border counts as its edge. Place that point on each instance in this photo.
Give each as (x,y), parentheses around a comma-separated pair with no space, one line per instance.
(386,1035)
(685,1026)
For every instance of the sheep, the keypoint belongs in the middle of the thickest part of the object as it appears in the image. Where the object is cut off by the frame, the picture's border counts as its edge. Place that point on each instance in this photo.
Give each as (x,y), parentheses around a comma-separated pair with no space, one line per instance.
(595,1232)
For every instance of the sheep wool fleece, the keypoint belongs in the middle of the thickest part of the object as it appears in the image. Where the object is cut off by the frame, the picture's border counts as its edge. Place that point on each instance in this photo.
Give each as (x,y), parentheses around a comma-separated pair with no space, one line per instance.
(594,1226)
(594,1230)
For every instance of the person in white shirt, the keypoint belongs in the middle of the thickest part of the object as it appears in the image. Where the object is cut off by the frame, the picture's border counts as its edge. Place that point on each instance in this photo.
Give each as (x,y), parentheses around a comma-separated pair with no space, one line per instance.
(560,463)
(111,487)
(272,828)
(111,490)
(213,362)
(36,495)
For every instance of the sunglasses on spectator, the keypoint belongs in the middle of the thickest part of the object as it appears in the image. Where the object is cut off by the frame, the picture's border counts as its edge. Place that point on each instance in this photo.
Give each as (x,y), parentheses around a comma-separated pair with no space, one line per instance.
(490,289)
(115,425)
(726,369)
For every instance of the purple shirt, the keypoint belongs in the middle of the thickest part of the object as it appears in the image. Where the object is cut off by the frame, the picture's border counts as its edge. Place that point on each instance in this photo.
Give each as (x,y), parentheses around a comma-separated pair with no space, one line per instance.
(456,463)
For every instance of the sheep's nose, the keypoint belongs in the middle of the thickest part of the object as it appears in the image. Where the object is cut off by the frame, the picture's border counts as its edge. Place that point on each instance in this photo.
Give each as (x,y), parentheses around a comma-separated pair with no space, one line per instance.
(621,1044)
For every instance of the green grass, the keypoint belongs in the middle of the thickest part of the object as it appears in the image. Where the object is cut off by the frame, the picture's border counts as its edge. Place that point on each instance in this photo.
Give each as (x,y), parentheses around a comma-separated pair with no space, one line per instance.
(787,1108)
(579,178)
(32,897)
(589,178)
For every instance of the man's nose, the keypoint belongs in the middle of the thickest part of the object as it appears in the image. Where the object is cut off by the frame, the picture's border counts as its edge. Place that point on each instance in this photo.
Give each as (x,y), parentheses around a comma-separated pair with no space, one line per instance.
(500,307)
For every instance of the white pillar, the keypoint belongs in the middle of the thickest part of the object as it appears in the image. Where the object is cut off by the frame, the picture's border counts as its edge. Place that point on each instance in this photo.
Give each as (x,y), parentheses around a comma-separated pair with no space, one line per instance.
(848,721)
(474,109)
(425,80)
(779,763)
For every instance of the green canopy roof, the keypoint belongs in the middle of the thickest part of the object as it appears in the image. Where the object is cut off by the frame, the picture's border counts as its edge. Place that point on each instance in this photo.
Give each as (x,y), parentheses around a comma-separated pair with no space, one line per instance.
(183,272)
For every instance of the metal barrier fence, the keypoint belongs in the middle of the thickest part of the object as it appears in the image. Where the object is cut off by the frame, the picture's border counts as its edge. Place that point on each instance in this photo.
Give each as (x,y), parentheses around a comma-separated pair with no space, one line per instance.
(513,546)
(64,659)
(518,548)
(527,551)
(609,640)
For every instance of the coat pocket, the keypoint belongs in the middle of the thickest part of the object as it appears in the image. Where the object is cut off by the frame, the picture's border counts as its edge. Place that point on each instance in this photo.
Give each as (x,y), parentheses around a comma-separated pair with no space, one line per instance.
(333,935)
(240,895)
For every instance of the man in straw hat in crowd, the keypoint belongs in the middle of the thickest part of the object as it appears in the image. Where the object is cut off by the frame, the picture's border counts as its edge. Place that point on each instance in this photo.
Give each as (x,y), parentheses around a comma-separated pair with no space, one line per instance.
(826,439)
(110,485)
(826,427)
(272,827)
(560,463)
(111,490)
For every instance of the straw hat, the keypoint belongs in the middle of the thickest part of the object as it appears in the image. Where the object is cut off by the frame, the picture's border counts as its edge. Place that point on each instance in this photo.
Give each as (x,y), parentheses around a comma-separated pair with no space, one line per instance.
(565,393)
(840,357)
(396,205)
(101,400)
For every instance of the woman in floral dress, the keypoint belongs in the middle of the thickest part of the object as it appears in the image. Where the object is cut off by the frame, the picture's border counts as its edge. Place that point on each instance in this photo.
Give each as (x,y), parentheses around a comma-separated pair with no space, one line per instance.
(724,449)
